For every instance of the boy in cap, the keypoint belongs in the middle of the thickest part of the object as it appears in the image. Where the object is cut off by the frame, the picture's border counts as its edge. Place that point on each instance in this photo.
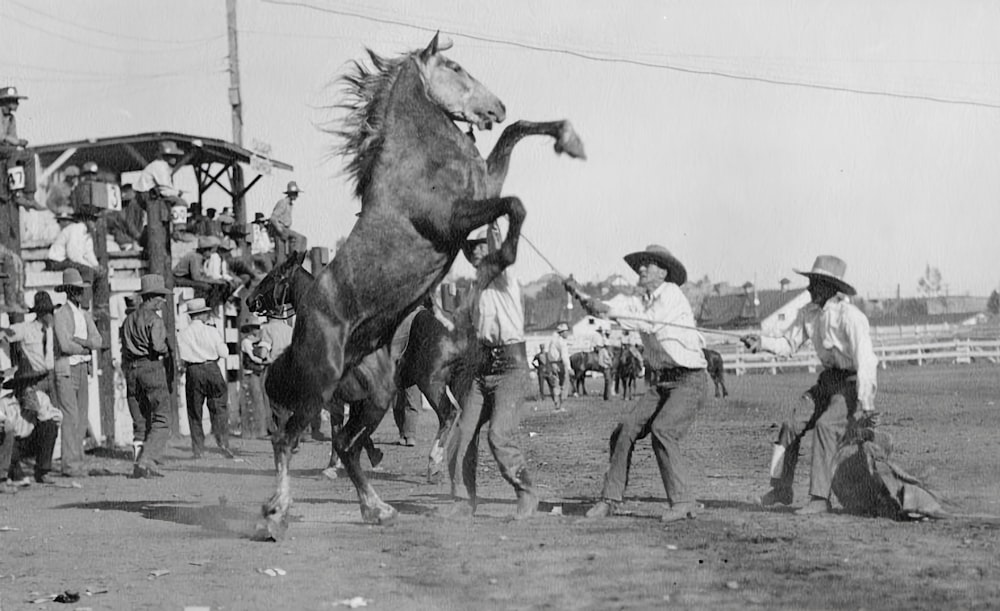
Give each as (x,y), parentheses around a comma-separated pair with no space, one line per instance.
(144,361)
(281,221)
(76,336)
(200,346)
(663,317)
(841,336)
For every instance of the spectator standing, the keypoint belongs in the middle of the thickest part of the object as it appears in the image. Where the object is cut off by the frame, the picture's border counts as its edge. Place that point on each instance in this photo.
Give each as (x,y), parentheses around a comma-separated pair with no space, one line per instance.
(559,366)
(281,221)
(541,364)
(256,416)
(76,336)
(145,352)
(200,345)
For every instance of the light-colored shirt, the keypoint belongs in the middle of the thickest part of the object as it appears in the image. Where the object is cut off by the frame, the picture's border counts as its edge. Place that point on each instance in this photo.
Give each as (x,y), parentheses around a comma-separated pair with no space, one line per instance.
(157,175)
(498,315)
(841,336)
(201,343)
(75,243)
(654,317)
(261,242)
(275,338)
(37,344)
(558,351)
(281,216)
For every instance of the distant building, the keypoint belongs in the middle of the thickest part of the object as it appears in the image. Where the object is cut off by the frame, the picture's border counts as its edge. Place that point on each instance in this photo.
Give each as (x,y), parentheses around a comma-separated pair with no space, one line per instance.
(771,309)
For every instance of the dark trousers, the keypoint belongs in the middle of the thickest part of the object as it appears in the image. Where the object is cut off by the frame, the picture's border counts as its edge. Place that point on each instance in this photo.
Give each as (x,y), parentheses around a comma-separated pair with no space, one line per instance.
(495,397)
(7,443)
(406,411)
(205,385)
(39,446)
(149,403)
(826,408)
(256,414)
(666,412)
(73,399)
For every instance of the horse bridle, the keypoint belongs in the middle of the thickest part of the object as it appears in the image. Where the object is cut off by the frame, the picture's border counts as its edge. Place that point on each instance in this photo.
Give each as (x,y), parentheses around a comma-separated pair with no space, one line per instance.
(281,309)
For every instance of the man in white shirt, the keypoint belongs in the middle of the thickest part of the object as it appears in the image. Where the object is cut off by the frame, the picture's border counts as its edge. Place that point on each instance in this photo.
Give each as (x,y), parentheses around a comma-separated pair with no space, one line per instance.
(500,372)
(560,370)
(200,346)
(663,317)
(74,246)
(841,336)
(157,178)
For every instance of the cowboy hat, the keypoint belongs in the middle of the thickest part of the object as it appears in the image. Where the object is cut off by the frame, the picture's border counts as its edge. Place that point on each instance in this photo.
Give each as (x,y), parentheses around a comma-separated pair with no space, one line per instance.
(830,269)
(258,217)
(153,283)
(65,213)
(208,241)
(43,304)
(71,278)
(197,306)
(90,168)
(71,171)
(293,187)
(169,147)
(21,378)
(659,255)
(562,327)
(10,93)
(227,244)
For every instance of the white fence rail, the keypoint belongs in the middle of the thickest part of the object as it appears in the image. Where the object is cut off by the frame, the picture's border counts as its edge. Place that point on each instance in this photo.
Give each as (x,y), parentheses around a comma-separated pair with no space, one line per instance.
(961,351)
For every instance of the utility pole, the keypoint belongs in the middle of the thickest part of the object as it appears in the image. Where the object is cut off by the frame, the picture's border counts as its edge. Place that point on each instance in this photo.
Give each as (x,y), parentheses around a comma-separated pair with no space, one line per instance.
(234,74)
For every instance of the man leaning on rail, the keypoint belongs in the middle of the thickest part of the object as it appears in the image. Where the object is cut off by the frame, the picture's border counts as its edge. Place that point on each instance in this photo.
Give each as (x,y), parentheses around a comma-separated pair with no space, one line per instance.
(841,337)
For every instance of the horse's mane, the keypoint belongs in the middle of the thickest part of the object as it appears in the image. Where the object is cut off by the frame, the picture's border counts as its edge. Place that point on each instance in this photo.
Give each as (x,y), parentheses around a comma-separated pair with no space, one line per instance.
(366,91)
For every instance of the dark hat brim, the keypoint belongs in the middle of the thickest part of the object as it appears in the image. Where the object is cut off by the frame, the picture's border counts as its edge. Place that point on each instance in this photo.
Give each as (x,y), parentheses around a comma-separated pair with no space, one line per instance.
(76,285)
(676,272)
(156,292)
(840,285)
(21,379)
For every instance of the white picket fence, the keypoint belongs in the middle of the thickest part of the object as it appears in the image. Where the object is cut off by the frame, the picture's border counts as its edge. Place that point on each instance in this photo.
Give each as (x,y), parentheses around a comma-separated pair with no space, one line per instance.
(960,351)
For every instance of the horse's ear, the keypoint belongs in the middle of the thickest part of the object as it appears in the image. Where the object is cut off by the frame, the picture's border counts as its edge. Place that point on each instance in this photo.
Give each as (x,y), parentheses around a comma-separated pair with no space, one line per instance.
(431,49)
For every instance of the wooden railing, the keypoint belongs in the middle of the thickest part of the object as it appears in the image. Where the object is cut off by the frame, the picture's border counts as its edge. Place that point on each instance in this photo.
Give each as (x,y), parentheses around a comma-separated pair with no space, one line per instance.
(960,351)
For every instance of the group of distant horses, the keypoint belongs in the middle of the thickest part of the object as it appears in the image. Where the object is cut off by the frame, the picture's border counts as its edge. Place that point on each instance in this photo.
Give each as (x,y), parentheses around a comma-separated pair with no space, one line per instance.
(626,367)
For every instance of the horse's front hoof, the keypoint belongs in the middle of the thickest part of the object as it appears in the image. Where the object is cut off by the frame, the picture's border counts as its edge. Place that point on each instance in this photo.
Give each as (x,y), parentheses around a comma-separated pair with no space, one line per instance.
(380,516)
(330,473)
(270,529)
(570,143)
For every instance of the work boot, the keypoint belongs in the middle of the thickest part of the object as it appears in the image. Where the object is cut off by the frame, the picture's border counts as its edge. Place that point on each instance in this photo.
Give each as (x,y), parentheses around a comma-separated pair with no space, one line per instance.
(527,504)
(227,452)
(680,511)
(817,505)
(145,472)
(775,496)
(603,509)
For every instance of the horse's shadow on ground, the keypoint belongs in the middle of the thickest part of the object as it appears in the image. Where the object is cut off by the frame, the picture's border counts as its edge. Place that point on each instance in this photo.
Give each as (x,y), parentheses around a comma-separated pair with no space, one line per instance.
(220,519)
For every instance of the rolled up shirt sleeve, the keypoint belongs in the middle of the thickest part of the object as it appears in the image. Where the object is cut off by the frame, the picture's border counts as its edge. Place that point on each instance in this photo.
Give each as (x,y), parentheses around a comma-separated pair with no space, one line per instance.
(858,332)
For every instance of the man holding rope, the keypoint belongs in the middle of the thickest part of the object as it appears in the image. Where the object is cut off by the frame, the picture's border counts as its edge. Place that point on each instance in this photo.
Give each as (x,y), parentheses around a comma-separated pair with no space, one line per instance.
(662,315)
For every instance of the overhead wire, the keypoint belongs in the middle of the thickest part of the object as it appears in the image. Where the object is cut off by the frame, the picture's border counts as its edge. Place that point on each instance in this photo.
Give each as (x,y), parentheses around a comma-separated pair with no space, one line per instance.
(590,56)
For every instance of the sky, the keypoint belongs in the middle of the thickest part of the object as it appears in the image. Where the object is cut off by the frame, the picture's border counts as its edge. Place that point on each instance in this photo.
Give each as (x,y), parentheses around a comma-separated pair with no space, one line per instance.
(745,136)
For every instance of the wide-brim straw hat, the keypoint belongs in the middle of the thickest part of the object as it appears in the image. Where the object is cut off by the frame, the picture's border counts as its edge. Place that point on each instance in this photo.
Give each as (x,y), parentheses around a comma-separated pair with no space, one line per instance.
(153,284)
(830,269)
(65,213)
(197,306)
(71,278)
(293,187)
(208,241)
(562,327)
(169,147)
(659,255)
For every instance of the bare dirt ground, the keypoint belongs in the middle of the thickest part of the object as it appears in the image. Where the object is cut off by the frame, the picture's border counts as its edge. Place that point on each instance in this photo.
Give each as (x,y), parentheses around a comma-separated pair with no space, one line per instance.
(182,541)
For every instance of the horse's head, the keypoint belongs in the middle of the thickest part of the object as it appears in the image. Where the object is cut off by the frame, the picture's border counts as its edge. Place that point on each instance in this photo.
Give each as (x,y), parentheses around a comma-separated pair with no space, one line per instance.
(273,295)
(462,97)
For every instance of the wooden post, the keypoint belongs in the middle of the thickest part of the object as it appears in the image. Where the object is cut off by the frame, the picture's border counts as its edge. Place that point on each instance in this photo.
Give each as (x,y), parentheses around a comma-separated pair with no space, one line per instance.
(10,239)
(101,311)
(158,235)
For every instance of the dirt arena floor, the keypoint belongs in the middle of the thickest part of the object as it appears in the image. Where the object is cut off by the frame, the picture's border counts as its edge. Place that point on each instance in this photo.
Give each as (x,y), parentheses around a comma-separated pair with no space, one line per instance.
(183,541)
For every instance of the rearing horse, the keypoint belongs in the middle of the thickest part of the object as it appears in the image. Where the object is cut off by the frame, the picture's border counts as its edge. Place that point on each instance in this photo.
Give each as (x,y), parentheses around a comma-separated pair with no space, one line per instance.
(423,187)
